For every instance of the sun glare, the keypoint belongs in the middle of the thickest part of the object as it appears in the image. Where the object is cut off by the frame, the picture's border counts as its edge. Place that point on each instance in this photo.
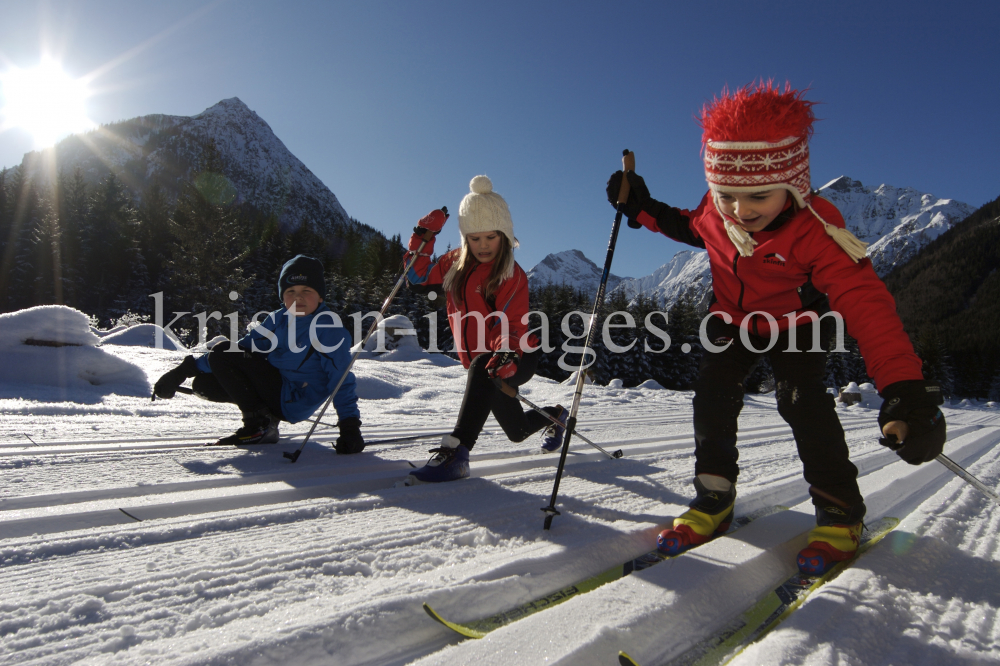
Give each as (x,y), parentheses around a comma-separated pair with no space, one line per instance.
(44,102)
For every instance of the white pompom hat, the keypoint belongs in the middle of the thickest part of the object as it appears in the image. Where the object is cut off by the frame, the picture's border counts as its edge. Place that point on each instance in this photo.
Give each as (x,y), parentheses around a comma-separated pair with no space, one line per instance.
(483,210)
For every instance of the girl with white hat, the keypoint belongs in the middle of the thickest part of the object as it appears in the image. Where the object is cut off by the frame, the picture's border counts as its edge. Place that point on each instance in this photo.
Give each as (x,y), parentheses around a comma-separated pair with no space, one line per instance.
(487,298)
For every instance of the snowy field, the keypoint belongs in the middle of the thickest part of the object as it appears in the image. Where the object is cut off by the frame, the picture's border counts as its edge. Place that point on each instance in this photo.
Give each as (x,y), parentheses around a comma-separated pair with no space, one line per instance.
(123,540)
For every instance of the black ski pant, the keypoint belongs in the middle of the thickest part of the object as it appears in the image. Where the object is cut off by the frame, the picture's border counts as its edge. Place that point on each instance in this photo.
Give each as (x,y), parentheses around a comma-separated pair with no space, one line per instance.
(482,397)
(248,381)
(802,401)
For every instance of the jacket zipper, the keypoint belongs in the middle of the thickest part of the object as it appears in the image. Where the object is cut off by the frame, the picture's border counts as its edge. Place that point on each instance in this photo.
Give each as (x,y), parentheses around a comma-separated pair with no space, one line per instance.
(736,274)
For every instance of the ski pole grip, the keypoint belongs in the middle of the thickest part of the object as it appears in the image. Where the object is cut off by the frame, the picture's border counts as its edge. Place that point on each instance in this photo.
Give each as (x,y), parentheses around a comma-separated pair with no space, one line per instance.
(898,428)
(628,164)
(506,388)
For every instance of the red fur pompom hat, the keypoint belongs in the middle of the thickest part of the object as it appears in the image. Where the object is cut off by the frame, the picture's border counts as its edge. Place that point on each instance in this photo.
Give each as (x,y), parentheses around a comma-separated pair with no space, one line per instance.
(756,139)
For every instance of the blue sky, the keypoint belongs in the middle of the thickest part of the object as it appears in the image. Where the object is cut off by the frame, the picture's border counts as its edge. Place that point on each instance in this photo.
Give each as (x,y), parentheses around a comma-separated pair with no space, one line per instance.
(397,105)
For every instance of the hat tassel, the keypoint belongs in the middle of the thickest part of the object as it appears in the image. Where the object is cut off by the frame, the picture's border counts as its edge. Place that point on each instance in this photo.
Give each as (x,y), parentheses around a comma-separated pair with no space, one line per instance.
(740,238)
(848,242)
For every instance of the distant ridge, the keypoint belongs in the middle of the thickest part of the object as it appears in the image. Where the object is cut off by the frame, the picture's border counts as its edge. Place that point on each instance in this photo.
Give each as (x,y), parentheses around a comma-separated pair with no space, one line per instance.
(166,150)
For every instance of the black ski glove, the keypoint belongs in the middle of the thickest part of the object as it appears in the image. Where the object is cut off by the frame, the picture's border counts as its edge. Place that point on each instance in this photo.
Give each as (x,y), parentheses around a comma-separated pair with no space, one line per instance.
(350,440)
(915,402)
(638,195)
(166,386)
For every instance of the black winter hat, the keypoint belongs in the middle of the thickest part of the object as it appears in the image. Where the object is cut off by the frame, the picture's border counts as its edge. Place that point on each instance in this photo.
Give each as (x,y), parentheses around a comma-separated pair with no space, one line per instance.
(301,270)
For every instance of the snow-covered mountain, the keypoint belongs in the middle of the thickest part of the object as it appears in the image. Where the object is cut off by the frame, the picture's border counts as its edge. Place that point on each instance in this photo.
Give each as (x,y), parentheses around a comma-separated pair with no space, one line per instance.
(166,150)
(572,268)
(687,269)
(896,221)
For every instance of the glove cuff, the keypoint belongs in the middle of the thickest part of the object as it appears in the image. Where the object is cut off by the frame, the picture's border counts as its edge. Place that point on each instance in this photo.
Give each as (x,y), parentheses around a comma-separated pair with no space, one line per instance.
(917,392)
(351,423)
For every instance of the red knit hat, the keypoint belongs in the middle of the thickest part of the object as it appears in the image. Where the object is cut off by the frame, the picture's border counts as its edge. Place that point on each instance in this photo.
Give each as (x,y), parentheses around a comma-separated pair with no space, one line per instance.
(757,138)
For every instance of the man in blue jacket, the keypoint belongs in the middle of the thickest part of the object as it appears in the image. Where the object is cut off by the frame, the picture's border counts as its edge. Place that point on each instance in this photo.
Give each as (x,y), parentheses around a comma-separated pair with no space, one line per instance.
(284,368)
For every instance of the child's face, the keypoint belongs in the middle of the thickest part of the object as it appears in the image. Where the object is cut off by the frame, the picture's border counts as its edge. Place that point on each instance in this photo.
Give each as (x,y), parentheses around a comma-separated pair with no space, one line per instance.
(305,300)
(485,246)
(753,210)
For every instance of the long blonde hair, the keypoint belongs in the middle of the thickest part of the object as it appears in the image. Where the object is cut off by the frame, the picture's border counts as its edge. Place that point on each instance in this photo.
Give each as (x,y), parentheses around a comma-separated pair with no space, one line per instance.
(503,268)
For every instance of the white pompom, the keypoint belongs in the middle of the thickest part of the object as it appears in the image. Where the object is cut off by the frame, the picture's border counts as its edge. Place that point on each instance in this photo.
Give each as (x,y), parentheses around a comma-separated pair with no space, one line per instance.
(481,185)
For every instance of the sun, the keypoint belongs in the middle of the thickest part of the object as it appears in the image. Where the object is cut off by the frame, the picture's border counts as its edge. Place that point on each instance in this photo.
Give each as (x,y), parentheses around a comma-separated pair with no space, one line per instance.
(43,101)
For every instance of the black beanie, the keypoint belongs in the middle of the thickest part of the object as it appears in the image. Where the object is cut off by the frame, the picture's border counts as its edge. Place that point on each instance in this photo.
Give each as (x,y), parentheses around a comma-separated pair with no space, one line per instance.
(304,271)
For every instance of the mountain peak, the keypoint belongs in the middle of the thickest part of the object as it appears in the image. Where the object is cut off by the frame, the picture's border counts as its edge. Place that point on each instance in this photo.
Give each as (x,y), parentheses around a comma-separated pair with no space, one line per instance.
(570,267)
(167,150)
(843,184)
(228,107)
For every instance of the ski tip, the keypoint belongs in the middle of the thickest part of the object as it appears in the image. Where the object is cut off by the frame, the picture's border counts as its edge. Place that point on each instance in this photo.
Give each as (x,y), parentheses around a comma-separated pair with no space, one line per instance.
(468,632)
(625,660)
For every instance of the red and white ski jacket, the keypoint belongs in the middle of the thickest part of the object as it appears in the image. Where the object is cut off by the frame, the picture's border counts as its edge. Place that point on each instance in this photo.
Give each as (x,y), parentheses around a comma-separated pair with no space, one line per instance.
(467,328)
(793,264)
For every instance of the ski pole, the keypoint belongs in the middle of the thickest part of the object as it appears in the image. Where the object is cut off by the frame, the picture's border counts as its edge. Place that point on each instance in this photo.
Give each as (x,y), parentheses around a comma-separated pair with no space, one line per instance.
(513,392)
(430,435)
(896,431)
(963,474)
(425,238)
(628,164)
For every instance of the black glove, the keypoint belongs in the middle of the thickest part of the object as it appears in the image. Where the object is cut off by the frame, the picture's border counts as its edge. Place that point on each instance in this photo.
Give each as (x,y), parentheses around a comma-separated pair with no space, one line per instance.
(915,402)
(166,386)
(350,440)
(638,195)
(502,365)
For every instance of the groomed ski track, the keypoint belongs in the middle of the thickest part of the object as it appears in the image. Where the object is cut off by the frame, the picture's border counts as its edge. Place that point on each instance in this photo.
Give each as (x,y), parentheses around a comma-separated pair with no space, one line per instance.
(115,551)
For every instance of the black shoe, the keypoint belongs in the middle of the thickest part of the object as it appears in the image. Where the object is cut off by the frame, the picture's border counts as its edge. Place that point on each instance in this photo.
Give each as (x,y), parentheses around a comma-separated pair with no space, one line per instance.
(260,428)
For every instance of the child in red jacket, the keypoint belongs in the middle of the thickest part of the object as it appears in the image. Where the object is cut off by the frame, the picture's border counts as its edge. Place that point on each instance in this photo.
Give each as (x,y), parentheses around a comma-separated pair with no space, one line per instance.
(487,296)
(781,260)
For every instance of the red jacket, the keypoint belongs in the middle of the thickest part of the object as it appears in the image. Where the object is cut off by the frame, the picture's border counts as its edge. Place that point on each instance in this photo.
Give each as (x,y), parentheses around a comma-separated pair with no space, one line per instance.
(511,299)
(793,264)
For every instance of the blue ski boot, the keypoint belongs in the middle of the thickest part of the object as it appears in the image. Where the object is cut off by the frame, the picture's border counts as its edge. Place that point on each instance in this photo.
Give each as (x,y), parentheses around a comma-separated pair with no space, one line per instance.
(450,462)
(552,437)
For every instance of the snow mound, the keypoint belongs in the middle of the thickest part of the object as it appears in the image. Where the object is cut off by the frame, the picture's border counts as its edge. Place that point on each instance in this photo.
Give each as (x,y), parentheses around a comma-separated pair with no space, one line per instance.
(571,380)
(78,365)
(48,323)
(144,335)
(616,383)
(395,339)
(373,388)
(102,333)
(651,384)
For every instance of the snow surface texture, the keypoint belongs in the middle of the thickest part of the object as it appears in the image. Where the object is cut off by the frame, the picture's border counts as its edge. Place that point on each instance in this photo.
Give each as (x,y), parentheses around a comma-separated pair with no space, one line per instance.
(262,170)
(123,540)
(897,222)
